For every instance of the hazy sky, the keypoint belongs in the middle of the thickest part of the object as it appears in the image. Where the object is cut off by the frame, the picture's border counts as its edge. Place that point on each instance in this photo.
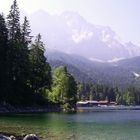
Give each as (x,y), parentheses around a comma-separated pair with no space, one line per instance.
(123,16)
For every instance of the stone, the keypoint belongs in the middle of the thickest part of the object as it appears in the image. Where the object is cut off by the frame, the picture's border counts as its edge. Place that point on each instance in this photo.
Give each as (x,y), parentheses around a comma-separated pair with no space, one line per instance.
(31,137)
(2,137)
(12,137)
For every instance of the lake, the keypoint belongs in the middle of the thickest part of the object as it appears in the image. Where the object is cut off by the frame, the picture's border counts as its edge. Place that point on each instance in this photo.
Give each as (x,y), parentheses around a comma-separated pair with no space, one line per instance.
(100,125)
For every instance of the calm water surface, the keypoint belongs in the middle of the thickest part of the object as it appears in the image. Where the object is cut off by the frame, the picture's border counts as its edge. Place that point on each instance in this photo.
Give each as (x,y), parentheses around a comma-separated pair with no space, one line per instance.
(103,125)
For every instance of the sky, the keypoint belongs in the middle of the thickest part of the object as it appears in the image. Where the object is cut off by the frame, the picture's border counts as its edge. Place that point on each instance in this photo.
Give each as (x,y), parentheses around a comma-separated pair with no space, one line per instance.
(123,16)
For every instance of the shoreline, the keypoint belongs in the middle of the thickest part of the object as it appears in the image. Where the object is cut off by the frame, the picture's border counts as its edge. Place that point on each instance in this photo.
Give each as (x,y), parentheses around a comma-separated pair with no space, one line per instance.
(45,109)
(8,109)
(108,108)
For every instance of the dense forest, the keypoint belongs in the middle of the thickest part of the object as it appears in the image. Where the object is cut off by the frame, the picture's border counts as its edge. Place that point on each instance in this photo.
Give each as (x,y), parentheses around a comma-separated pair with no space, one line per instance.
(120,73)
(88,91)
(26,77)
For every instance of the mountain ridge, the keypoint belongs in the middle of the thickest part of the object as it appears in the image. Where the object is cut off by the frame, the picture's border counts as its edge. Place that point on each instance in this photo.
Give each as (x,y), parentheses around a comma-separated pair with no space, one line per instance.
(71,33)
(114,74)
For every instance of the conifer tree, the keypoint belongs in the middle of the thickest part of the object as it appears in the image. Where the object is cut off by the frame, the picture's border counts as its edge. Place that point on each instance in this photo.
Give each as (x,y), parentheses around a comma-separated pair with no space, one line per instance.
(3,58)
(40,68)
(25,43)
(25,29)
(17,56)
(14,44)
(14,22)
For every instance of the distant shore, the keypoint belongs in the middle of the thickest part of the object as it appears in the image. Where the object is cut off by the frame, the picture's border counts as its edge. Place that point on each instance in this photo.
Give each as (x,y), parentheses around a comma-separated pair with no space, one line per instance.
(108,108)
(45,109)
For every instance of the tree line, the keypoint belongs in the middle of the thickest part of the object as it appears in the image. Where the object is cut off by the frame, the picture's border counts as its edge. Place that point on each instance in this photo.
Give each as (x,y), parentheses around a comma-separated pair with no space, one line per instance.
(25,75)
(89,91)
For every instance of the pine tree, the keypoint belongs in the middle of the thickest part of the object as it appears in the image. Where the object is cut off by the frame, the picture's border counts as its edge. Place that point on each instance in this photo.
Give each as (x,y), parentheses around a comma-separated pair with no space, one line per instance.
(18,62)
(3,58)
(14,23)
(14,41)
(26,37)
(24,45)
(40,68)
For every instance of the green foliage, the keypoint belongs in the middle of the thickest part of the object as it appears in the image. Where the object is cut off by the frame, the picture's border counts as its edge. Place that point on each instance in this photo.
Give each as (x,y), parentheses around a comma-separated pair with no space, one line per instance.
(23,72)
(119,99)
(26,37)
(14,23)
(64,89)
(40,70)
(3,58)
(130,96)
(17,57)
(96,92)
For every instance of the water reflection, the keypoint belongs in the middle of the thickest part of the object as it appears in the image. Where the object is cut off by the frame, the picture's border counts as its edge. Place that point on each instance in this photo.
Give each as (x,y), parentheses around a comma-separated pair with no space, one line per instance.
(81,126)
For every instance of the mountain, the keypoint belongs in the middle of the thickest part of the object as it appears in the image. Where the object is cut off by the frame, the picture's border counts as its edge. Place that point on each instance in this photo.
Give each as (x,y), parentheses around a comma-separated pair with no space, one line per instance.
(123,73)
(71,33)
(133,64)
(130,63)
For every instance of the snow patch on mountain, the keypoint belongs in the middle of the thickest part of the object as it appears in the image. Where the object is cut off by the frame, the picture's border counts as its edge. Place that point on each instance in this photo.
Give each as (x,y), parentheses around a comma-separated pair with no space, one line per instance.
(70,32)
(96,60)
(79,36)
(136,74)
(115,59)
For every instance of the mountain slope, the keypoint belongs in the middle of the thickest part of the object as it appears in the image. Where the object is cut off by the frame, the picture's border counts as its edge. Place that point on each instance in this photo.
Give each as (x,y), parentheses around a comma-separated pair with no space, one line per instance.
(71,33)
(105,73)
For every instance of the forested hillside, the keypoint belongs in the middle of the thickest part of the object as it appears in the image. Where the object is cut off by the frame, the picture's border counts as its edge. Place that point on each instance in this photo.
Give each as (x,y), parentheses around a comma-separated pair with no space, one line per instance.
(26,78)
(123,73)
(118,81)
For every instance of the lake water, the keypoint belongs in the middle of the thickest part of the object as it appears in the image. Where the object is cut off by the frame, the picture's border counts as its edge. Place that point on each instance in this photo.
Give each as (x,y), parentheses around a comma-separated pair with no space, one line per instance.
(102,125)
